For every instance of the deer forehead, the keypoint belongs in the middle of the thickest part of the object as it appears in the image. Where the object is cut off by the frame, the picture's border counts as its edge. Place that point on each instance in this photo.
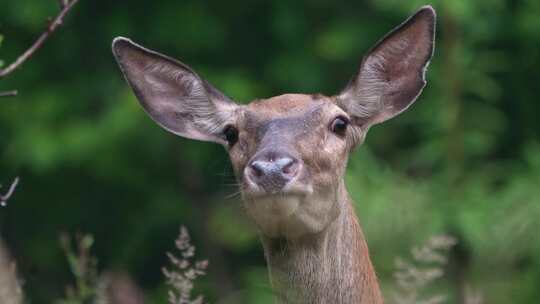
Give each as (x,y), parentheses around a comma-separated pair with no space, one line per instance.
(292,113)
(287,103)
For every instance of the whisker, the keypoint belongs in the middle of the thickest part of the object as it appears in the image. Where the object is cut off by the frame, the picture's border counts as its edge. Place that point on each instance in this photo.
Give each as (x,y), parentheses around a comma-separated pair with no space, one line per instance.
(233,195)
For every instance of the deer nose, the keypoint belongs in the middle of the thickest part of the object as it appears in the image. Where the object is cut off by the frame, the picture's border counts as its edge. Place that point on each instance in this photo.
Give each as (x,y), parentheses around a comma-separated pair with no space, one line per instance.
(272,171)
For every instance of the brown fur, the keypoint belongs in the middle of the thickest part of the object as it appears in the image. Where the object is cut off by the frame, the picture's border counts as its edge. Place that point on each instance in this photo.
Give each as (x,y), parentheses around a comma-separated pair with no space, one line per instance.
(330,267)
(329,264)
(315,249)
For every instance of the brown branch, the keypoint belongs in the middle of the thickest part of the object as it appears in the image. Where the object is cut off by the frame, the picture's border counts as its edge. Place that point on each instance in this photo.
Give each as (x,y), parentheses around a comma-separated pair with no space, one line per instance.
(66,6)
(9,93)
(4,198)
(53,25)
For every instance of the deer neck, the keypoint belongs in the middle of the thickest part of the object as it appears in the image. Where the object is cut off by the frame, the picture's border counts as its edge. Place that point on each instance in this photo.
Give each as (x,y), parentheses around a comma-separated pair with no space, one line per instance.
(330,267)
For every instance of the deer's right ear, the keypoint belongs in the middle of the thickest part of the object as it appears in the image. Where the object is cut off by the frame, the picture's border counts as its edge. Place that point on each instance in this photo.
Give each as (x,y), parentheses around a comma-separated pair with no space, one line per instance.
(173,94)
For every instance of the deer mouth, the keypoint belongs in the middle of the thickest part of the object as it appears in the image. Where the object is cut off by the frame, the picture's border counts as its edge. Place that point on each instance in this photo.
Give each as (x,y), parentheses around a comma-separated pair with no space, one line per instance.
(253,191)
(278,204)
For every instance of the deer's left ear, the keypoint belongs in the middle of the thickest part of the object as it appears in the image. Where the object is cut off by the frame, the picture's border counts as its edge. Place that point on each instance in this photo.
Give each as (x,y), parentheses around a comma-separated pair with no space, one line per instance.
(392,75)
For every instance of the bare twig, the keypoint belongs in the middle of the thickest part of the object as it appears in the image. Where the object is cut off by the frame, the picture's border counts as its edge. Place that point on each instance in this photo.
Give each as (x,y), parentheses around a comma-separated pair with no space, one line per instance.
(63,3)
(66,6)
(4,198)
(9,93)
(52,26)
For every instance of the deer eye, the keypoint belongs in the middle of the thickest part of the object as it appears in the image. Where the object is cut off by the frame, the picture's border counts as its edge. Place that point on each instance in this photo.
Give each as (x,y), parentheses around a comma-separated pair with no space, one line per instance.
(339,125)
(231,135)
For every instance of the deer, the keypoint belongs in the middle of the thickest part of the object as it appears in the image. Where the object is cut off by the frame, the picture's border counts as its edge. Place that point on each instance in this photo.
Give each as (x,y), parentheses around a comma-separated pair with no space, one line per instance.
(289,154)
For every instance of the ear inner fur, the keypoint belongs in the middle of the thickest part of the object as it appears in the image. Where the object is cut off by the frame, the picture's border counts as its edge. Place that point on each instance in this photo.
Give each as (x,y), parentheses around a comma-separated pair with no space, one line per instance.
(392,74)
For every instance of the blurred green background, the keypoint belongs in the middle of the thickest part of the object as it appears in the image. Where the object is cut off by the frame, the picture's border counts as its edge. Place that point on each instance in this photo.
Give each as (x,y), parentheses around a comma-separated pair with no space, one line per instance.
(464,160)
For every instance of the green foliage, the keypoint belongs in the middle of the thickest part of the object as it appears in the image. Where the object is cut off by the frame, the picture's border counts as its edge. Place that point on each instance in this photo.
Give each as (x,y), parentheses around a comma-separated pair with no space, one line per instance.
(83,266)
(463,160)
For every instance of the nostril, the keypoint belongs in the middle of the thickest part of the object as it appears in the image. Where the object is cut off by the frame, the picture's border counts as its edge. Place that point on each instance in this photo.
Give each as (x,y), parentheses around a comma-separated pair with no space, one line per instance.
(257,169)
(289,166)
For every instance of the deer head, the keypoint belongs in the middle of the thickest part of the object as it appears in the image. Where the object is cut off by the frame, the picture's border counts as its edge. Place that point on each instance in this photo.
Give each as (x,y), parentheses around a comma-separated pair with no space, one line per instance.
(289,152)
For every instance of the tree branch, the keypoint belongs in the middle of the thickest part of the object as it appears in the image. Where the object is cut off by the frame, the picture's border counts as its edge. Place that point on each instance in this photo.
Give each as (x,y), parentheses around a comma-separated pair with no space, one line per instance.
(9,93)
(53,25)
(4,198)
(66,6)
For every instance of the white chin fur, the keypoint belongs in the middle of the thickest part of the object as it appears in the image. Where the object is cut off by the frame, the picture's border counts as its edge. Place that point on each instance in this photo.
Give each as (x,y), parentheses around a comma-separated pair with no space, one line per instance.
(287,216)
(272,209)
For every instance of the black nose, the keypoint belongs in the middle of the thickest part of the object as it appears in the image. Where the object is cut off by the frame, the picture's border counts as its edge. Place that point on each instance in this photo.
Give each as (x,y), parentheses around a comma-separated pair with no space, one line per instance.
(273,170)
